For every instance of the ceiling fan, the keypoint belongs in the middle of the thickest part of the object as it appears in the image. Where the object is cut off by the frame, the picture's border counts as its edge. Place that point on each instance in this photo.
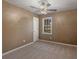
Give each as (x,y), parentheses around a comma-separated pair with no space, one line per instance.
(44,4)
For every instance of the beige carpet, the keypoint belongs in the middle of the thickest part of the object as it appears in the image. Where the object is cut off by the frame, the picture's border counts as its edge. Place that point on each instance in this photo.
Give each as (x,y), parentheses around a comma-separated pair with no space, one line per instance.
(44,50)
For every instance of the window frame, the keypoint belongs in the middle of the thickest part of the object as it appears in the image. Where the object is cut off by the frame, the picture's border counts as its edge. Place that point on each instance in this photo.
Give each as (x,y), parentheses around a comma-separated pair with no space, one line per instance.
(43,32)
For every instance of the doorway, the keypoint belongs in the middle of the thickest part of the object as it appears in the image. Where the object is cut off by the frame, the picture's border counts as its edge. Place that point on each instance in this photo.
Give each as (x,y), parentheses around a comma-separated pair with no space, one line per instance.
(35,29)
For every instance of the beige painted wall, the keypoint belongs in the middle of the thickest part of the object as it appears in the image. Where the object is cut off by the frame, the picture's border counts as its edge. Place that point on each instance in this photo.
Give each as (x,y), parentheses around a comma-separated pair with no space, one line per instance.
(64,27)
(17,26)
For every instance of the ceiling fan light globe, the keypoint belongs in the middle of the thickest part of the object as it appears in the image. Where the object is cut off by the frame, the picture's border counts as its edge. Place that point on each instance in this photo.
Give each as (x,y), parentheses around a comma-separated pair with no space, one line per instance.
(42,7)
(43,12)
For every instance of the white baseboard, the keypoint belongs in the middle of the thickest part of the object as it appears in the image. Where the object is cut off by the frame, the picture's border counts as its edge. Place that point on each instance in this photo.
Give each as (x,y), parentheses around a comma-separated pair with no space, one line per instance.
(32,43)
(59,43)
(16,48)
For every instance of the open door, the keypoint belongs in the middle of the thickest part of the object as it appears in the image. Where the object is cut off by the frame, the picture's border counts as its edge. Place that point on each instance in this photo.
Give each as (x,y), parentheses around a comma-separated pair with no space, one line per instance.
(35,29)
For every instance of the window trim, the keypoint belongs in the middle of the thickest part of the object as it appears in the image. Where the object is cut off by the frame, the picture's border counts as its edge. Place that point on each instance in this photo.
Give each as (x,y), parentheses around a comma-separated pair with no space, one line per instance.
(43,25)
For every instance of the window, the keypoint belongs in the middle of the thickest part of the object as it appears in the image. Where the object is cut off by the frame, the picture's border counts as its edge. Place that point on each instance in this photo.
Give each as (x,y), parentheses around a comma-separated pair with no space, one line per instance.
(47,25)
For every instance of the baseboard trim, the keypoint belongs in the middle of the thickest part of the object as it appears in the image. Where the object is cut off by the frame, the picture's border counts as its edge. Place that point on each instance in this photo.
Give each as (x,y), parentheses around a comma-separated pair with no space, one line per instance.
(32,43)
(59,43)
(17,48)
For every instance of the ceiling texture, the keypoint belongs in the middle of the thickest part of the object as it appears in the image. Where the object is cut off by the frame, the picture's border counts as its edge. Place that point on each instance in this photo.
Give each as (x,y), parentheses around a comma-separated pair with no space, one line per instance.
(60,5)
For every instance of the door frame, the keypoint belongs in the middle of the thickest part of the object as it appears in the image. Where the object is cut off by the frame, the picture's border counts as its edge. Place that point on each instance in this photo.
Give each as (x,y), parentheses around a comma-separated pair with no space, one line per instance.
(33,28)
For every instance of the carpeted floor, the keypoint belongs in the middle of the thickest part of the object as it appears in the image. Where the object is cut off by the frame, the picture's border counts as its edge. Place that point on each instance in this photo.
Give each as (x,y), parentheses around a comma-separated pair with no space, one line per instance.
(44,50)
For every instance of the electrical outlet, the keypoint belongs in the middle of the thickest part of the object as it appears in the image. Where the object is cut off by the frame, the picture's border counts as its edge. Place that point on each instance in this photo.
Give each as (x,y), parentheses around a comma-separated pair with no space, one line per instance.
(24,40)
(54,38)
(50,38)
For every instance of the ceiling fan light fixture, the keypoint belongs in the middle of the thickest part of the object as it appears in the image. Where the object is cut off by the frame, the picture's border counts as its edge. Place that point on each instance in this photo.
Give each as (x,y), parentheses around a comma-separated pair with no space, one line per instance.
(42,7)
(43,12)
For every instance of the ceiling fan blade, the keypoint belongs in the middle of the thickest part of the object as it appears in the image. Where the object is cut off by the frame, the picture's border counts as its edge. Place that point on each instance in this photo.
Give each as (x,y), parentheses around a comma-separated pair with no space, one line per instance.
(34,7)
(52,9)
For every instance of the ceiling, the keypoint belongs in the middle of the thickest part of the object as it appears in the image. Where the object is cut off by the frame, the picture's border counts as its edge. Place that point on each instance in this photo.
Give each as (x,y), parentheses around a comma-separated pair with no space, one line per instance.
(60,5)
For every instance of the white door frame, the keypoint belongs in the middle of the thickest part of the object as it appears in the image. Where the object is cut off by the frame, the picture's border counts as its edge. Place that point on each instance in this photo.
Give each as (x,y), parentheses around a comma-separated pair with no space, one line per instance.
(34,37)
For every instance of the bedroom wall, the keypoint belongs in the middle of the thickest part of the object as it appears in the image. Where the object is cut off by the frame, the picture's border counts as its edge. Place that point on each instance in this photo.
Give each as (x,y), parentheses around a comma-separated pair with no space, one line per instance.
(17,26)
(64,27)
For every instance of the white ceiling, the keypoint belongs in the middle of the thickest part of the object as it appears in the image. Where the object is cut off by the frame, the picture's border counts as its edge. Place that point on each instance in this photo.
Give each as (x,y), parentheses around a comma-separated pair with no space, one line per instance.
(60,5)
